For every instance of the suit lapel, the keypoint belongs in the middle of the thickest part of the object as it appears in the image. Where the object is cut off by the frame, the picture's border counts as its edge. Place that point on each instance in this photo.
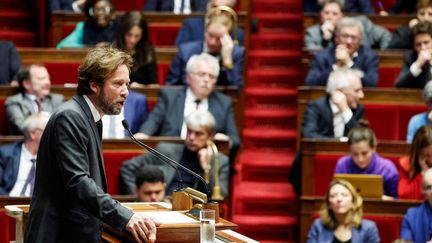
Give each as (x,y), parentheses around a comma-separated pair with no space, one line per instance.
(180,105)
(81,101)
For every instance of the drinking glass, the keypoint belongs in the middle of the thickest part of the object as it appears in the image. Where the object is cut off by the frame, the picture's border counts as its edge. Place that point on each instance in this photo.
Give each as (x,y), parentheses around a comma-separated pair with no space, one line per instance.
(207,226)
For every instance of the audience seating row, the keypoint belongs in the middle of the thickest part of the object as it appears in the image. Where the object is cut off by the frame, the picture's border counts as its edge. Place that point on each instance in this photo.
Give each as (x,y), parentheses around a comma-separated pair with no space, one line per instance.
(387,109)
(390,22)
(388,215)
(388,70)
(163,27)
(63,64)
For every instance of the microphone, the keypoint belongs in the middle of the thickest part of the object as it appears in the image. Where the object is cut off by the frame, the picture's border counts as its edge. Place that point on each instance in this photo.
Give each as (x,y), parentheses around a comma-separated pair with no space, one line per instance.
(167,160)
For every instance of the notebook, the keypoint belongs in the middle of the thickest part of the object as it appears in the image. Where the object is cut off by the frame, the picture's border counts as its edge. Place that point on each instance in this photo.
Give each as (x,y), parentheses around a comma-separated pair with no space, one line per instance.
(368,186)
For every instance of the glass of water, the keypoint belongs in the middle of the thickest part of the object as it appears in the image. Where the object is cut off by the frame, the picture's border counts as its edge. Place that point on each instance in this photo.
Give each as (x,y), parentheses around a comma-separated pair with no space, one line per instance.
(207,226)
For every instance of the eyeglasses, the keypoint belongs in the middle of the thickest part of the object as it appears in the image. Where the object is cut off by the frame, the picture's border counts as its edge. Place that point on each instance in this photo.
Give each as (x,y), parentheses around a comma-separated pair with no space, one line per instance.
(204,74)
(348,36)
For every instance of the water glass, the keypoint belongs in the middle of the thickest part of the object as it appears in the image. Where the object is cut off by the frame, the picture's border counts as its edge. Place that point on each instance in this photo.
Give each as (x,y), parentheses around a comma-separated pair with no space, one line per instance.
(207,226)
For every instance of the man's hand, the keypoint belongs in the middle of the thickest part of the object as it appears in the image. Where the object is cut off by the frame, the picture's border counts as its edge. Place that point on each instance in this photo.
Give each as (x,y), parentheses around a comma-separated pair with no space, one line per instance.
(142,228)
(412,23)
(340,100)
(342,56)
(204,155)
(327,29)
(423,57)
(226,50)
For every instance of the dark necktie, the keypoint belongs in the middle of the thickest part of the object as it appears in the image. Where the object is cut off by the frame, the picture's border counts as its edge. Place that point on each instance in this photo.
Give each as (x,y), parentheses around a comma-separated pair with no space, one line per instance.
(182,6)
(197,102)
(99,127)
(30,178)
(39,104)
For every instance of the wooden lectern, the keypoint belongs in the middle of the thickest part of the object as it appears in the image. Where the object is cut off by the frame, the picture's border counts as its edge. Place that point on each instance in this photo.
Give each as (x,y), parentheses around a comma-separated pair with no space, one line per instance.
(168,231)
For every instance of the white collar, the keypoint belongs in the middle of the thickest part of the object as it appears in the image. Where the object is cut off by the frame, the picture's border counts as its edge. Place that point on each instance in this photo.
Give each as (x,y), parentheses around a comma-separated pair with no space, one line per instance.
(95,113)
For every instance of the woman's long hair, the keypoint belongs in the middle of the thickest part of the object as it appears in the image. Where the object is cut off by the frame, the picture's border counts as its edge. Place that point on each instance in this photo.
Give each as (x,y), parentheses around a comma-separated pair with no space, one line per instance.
(421,140)
(143,49)
(354,216)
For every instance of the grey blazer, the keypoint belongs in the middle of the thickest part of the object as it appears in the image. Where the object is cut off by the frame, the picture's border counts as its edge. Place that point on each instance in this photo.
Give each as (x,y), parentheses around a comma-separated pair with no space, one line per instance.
(70,199)
(175,152)
(18,108)
(374,36)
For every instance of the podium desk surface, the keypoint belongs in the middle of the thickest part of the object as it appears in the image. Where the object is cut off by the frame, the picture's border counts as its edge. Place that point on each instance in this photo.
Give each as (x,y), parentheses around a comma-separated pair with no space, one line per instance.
(169,232)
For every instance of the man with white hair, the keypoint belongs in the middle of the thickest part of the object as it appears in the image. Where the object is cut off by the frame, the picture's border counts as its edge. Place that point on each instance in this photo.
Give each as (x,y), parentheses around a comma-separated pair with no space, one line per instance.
(193,154)
(348,53)
(417,223)
(167,117)
(18,160)
(333,115)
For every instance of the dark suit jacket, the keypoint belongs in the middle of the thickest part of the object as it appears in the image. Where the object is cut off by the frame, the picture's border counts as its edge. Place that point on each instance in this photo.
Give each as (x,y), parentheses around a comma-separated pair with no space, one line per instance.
(318,119)
(70,198)
(402,38)
(322,65)
(135,110)
(65,5)
(10,62)
(10,155)
(406,79)
(175,152)
(18,108)
(166,119)
(168,5)
(193,30)
(351,6)
(177,73)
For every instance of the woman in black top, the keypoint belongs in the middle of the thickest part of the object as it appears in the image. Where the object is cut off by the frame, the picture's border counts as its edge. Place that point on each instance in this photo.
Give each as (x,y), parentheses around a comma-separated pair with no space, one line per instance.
(133,37)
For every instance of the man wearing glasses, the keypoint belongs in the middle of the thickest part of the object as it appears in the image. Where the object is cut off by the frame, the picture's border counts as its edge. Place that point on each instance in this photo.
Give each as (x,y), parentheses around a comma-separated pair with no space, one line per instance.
(417,223)
(18,160)
(348,53)
(167,118)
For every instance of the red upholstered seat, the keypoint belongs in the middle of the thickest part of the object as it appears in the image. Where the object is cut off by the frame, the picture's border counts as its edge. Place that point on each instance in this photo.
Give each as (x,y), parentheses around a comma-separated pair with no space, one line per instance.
(163,34)
(163,69)
(388,226)
(324,166)
(388,76)
(113,161)
(63,72)
(129,5)
(405,114)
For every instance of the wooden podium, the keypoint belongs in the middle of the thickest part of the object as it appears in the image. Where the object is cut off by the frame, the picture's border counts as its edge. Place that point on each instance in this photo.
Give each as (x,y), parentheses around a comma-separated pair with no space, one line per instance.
(188,231)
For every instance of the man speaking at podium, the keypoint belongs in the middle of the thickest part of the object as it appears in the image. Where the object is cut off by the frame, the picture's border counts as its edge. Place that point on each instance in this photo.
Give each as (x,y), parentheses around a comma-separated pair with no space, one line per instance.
(70,199)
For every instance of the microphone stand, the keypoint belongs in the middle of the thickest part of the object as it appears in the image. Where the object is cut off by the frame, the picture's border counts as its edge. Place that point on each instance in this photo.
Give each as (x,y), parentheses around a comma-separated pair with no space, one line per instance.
(167,160)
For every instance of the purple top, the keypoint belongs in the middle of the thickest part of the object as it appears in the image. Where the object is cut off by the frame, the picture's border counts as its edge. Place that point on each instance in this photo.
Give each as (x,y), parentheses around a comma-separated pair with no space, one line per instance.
(378,166)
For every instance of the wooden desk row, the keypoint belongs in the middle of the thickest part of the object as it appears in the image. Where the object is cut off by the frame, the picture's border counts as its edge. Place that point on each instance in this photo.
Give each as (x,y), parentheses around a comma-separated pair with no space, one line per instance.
(390,22)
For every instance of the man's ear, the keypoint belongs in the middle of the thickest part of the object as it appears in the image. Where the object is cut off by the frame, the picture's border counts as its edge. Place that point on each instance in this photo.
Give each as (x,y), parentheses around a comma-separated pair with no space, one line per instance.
(94,87)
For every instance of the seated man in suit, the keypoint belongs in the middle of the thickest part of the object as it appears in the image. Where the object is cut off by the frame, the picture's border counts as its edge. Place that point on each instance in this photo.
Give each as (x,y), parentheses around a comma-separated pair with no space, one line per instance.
(135,112)
(349,6)
(193,27)
(35,96)
(217,42)
(417,223)
(177,7)
(321,35)
(193,154)
(416,67)
(402,37)
(167,117)
(348,53)
(333,115)
(150,184)
(18,160)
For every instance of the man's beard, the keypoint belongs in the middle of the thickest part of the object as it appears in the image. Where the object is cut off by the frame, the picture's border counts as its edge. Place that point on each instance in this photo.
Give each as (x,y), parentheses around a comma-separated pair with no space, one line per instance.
(106,105)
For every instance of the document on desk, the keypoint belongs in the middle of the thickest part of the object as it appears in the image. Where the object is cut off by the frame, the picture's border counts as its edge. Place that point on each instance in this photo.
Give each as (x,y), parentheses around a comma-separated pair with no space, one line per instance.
(170,217)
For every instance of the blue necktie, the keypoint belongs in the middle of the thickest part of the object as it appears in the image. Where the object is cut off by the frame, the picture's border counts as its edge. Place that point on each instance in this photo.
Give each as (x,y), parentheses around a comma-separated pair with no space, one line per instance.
(30,178)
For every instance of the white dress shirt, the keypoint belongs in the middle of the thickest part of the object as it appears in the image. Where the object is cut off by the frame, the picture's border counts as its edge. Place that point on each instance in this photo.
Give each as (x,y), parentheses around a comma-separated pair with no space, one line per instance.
(339,119)
(186,7)
(112,126)
(23,171)
(191,106)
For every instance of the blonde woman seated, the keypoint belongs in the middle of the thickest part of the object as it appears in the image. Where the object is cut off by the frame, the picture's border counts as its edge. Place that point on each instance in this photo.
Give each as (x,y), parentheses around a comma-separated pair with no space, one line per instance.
(341,217)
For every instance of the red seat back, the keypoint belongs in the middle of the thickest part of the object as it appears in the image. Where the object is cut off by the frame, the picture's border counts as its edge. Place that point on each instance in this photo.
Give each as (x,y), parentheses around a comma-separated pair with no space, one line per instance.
(63,72)
(324,166)
(163,34)
(387,76)
(113,161)
(129,5)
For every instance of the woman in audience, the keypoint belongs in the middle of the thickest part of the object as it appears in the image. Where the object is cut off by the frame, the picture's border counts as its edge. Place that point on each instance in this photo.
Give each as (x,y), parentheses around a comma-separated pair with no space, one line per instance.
(424,118)
(411,168)
(365,160)
(99,28)
(133,37)
(417,223)
(341,217)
